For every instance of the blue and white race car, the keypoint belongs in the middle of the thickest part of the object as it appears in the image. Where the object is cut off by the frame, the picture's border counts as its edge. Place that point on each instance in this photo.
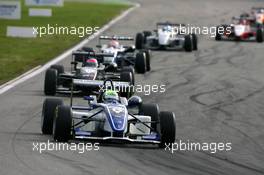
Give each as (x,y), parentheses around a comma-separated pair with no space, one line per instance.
(109,118)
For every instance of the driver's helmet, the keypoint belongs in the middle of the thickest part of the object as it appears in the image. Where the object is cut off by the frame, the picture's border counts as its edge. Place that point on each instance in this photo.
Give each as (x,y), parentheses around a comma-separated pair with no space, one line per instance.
(113,43)
(110,95)
(244,22)
(167,28)
(92,62)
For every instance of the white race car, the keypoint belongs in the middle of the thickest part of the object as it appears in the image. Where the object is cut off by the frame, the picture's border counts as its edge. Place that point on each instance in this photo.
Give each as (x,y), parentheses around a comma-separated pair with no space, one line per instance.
(166,36)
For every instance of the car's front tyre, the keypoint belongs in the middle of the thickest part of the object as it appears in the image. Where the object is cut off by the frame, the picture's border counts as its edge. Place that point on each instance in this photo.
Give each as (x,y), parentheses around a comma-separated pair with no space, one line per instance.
(168,128)
(50,82)
(62,125)
(48,113)
(140,63)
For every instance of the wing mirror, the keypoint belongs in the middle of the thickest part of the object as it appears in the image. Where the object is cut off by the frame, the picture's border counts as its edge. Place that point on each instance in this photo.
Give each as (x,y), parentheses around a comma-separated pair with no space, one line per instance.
(88,98)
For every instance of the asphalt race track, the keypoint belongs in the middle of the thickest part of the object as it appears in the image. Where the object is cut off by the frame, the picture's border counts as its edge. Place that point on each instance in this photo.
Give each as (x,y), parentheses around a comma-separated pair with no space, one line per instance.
(217,94)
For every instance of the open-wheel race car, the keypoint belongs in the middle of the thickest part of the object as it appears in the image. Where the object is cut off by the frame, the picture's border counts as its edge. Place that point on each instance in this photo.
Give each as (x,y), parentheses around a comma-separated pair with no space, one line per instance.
(123,55)
(109,118)
(87,74)
(167,36)
(241,28)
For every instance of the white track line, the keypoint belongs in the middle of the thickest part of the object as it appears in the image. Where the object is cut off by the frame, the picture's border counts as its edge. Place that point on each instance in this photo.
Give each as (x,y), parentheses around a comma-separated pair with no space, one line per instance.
(37,70)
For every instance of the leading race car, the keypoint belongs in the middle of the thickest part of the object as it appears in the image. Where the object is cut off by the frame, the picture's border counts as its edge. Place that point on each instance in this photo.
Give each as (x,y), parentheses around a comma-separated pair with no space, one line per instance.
(112,119)
(124,55)
(242,28)
(167,36)
(85,68)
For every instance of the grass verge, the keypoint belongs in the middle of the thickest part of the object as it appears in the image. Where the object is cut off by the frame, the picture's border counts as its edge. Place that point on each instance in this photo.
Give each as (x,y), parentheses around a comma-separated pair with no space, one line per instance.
(18,55)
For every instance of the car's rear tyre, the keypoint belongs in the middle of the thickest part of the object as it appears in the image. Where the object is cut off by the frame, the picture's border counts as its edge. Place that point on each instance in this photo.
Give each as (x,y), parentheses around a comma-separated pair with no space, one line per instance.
(48,113)
(218,36)
(126,91)
(140,63)
(259,35)
(50,82)
(188,43)
(195,41)
(132,71)
(168,128)
(151,110)
(147,33)
(62,125)
(148,59)
(140,41)
(59,68)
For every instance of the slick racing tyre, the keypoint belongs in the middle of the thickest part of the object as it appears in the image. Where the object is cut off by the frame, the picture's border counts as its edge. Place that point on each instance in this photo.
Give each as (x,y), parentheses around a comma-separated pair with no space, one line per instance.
(140,63)
(218,36)
(148,58)
(132,71)
(48,113)
(62,125)
(188,43)
(259,35)
(147,33)
(151,110)
(126,91)
(50,82)
(195,41)
(168,128)
(140,41)
(59,68)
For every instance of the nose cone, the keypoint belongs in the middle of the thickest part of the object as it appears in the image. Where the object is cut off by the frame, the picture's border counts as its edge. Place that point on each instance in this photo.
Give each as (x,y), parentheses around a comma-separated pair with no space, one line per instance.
(118,116)
(164,38)
(239,30)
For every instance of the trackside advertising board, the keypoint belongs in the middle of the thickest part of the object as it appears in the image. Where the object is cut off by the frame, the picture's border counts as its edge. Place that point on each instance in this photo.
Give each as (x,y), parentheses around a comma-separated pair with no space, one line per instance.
(10,10)
(44,2)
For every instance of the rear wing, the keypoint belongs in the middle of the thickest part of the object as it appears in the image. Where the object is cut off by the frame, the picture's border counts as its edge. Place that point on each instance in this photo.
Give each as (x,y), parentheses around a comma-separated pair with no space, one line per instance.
(169,23)
(243,18)
(257,8)
(101,84)
(120,38)
(82,56)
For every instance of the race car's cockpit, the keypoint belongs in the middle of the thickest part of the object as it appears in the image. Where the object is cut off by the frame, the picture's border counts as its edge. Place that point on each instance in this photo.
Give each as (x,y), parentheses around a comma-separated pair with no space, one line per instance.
(114,44)
(110,96)
(167,28)
(241,21)
(92,62)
